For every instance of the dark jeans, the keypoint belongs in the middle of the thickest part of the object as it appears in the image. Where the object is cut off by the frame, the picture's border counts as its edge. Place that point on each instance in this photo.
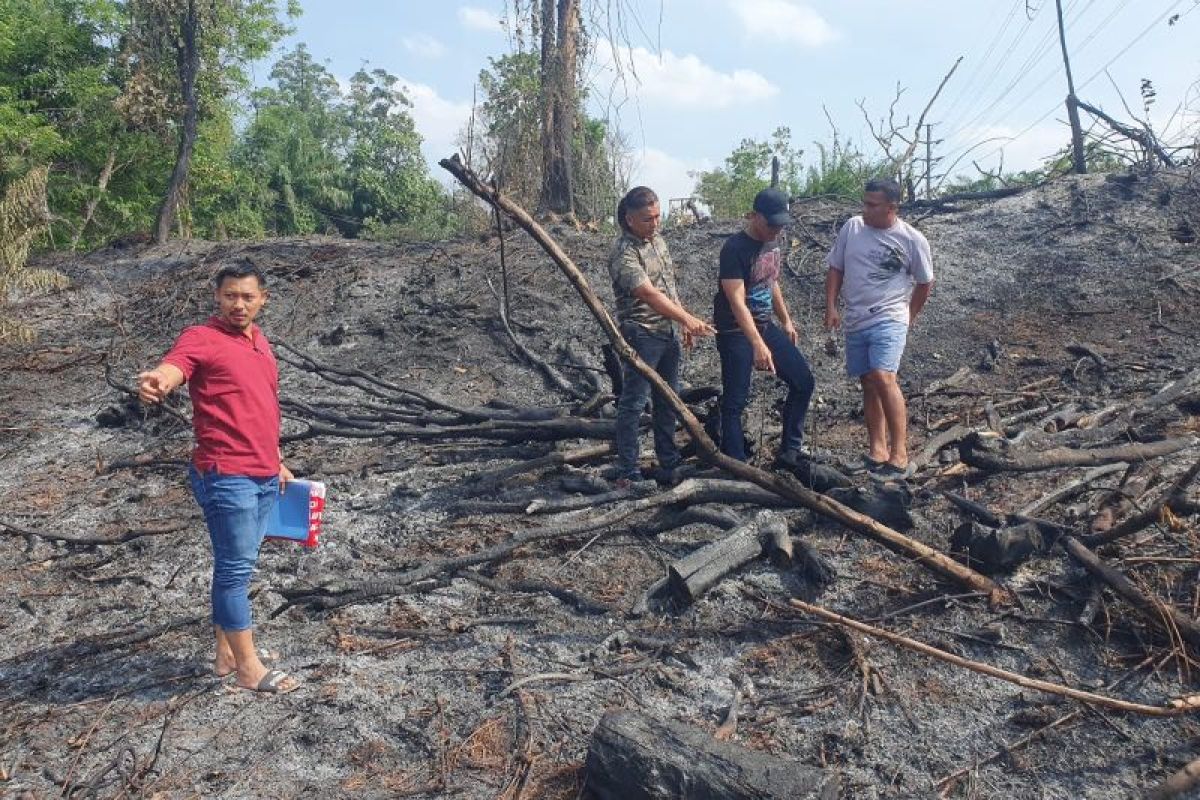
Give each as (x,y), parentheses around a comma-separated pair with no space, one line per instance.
(662,353)
(737,363)
(235,509)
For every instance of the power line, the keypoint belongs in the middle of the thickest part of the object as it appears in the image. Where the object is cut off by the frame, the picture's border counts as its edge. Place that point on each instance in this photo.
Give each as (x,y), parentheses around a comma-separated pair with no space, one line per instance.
(1038,54)
(1009,51)
(1095,75)
(1051,75)
(1127,47)
(978,69)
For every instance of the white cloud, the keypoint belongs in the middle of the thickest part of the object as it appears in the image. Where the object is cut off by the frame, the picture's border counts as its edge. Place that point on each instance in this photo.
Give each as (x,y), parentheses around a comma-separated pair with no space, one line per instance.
(424,45)
(783,21)
(665,174)
(670,80)
(479,19)
(438,120)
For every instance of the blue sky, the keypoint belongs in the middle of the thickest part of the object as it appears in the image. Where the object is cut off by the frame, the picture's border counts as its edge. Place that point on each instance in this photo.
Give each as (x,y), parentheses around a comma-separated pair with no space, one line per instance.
(712,72)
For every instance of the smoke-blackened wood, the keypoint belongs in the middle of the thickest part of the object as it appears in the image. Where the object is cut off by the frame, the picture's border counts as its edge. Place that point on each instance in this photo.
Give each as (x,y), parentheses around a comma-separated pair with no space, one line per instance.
(635,757)
(1072,489)
(980,452)
(486,481)
(886,503)
(1170,498)
(778,544)
(697,572)
(992,550)
(931,448)
(1162,615)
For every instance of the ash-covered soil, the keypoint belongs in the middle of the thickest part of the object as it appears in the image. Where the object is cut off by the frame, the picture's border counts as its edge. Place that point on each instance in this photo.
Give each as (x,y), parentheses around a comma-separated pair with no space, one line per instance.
(105,682)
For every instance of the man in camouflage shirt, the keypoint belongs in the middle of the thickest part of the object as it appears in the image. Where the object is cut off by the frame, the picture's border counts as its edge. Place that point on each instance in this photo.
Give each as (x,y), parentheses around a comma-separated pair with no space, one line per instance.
(650,316)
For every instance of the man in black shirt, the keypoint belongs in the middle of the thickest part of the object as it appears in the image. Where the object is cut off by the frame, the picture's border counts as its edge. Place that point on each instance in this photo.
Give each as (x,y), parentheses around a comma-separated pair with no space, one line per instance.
(747,339)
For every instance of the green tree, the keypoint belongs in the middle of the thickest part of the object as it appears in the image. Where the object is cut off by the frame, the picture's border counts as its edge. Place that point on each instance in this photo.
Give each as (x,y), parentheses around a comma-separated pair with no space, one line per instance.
(293,148)
(729,190)
(510,124)
(60,78)
(389,179)
(341,162)
(193,52)
(840,171)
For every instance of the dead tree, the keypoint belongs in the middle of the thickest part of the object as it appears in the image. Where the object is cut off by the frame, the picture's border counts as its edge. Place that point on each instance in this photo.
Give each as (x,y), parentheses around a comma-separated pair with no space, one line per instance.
(188,64)
(560,27)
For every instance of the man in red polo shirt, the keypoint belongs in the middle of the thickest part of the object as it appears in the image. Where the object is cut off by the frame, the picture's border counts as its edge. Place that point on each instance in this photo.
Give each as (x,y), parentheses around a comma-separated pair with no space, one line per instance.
(236,471)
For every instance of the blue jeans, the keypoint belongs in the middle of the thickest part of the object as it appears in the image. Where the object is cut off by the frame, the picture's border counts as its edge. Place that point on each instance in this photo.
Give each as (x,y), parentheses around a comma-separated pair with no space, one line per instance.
(235,509)
(737,364)
(662,352)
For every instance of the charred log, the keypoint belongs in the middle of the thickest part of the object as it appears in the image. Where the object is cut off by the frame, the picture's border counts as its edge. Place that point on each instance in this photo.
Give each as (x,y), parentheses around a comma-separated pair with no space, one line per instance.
(635,757)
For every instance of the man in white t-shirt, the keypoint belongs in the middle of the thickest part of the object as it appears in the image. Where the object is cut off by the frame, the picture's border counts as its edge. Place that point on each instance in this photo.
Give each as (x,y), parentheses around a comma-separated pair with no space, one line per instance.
(881,267)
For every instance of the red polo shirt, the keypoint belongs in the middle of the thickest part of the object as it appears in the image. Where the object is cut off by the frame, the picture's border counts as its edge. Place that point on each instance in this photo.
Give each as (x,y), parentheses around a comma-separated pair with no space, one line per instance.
(234,384)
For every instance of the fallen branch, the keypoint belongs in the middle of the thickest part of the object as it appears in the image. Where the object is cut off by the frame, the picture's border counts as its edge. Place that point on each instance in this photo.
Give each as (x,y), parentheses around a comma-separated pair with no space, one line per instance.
(127,536)
(1171,498)
(690,491)
(505,430)
(1162,615)
(1176,707)
(1144,138)
(700,570)
(577,601)
(1073,488)
(484,481)
(931,448)
(975,452)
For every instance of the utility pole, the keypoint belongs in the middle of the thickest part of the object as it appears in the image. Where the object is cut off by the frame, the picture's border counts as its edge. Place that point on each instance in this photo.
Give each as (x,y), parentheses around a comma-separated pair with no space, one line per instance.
(1072,102)
(928,160)
(774,172)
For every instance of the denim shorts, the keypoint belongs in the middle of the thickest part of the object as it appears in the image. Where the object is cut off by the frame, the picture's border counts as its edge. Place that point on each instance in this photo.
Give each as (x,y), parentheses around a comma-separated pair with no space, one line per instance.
(878,347)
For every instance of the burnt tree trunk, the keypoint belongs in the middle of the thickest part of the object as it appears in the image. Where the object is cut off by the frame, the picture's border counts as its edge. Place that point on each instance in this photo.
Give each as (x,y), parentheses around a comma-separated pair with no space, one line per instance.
(635,757)
(559,61)
(188,63)
(700,570)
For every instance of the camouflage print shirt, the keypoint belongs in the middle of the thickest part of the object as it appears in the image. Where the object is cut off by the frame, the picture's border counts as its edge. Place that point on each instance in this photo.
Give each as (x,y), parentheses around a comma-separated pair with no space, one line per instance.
(631,263)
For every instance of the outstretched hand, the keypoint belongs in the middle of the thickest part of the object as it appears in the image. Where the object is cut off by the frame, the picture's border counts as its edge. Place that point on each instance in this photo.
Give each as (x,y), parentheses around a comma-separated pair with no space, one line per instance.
(153,386)
(697,327)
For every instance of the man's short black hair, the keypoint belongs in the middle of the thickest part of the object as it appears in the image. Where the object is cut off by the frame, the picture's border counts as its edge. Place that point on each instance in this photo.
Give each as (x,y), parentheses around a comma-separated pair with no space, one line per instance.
(890,189)
(239,270)
(635,199)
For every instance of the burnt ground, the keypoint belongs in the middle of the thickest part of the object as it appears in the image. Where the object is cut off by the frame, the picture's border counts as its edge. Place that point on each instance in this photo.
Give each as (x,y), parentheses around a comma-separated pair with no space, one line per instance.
(105,687)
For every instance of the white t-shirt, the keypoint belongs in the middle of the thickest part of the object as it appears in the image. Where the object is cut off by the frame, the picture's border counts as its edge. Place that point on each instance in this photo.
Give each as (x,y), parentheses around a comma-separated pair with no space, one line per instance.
(879,268)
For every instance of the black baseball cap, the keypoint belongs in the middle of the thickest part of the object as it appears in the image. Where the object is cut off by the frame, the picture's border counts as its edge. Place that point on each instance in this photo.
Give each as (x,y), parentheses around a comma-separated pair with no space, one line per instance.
(773,204)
